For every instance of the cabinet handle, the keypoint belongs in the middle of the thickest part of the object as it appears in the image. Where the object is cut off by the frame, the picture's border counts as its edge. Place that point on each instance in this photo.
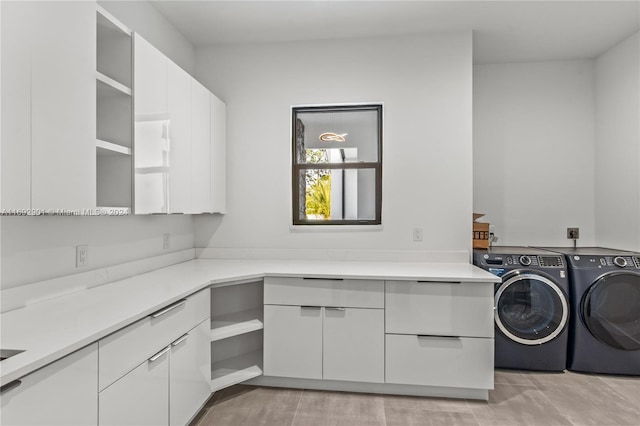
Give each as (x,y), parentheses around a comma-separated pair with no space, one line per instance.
(430,336)
(325,279)
(168,308)
(310,307)
(335,308)
(9,386)
(440,282)
(159,354)
(180,340)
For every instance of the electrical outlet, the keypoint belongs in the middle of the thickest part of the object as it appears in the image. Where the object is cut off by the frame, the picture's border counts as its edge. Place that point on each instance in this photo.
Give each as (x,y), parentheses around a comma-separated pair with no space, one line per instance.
(417,234)
(166,241)
(82,256)
(573,233)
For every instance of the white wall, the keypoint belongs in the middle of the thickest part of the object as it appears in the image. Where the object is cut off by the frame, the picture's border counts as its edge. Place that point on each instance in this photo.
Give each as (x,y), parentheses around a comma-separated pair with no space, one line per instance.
(39,248)
(425,85)
(534,148)
(617,192)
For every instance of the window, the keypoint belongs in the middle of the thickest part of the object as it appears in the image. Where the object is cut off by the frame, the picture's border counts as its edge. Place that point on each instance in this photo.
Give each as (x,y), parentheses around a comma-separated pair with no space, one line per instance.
(337,165)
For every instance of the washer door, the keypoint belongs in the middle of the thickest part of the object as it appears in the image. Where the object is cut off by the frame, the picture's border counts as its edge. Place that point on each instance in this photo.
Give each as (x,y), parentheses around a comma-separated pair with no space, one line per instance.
(611,310)
(530,309)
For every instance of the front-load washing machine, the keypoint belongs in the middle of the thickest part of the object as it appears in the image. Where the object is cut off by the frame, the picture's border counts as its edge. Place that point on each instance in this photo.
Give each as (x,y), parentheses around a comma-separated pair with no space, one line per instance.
(531,307)
(605,298)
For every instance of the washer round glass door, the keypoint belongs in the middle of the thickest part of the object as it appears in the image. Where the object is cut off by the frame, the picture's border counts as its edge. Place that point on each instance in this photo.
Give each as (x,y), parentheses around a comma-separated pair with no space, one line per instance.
(530,309)
(611,310)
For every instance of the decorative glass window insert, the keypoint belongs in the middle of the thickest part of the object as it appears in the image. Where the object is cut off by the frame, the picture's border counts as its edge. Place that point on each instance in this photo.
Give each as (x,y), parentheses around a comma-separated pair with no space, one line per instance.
(337,165)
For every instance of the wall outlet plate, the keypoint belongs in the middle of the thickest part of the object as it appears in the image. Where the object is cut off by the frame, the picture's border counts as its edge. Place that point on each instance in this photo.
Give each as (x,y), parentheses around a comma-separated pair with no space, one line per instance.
(166,241)
(573,233)
(417,234)
(82,256)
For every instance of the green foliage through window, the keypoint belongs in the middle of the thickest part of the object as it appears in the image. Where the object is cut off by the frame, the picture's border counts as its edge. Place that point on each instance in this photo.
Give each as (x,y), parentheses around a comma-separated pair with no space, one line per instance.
(318,186)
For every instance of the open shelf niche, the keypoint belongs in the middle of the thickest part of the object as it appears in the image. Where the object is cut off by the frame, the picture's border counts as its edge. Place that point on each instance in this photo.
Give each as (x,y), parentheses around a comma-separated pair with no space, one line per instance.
(236,333)
(114,124)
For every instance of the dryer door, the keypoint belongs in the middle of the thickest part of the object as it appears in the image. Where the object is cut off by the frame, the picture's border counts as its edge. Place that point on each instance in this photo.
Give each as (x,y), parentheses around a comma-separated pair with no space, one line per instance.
(611,310)
(530,309)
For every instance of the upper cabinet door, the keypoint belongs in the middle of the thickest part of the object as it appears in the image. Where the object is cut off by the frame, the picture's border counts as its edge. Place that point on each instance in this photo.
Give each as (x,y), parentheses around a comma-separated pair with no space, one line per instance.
(49,105)
(180,139)
(16,104)
(151,81)
(200,149)
(152,144)
(218,155)
(63,105)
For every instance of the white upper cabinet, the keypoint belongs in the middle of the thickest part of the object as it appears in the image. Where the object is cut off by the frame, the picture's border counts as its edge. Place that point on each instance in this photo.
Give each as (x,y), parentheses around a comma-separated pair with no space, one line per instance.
(151,68)
(49,105)
(152,147)
(218,121)
(16,104)
(200,148)
(180,138)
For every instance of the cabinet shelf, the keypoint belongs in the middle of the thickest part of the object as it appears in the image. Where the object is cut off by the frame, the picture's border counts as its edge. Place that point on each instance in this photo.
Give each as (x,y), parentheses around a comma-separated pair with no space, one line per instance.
(237,370)
(110,82)
(236,323)
(108,148)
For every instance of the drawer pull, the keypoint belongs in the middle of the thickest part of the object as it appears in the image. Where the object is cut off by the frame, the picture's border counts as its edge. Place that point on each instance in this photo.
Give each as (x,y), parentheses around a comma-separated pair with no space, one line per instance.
(430,336)
(334,308)
(310,307)
(159,354)
(180,340)
(325,279)
(168,308)
(9,386)
(440,282)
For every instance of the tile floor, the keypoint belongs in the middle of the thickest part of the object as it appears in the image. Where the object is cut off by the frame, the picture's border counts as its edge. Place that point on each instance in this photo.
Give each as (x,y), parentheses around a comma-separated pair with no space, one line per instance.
(519,398)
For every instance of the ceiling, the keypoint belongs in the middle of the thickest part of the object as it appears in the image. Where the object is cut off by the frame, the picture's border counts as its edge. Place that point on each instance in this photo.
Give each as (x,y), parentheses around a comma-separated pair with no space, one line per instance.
(504,31)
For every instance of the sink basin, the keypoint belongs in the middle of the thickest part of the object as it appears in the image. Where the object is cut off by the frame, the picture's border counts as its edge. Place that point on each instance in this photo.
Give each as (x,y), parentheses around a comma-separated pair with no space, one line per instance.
(8,353)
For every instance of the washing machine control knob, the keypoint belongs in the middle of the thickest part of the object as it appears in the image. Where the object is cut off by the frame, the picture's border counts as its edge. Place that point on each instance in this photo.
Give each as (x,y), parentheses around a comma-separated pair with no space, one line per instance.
(620,261)
(525,260)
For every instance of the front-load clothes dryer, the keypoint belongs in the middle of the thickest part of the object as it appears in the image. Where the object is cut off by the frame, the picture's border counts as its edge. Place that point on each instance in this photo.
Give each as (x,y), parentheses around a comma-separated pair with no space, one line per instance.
(605,298)
(531,307)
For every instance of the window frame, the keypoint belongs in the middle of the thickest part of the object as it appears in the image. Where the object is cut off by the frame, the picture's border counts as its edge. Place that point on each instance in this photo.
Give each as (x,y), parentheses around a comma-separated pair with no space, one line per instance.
(296,167)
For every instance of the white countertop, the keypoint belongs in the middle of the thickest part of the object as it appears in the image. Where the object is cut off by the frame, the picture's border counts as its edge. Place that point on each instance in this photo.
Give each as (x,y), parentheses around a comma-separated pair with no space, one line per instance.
(49,330)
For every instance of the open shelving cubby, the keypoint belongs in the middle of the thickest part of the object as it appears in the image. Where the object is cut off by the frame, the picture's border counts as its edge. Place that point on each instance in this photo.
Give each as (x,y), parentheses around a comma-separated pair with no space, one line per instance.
(114,124)
(236,333)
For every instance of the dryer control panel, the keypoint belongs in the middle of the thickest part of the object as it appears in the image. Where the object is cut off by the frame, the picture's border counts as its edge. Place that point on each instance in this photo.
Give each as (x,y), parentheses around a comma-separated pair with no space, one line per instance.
(550,261)
(593,261)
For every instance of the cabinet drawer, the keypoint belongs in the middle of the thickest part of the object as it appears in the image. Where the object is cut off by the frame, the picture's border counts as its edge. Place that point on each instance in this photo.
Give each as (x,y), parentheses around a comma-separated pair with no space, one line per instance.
(439,308)
(324,292)
(439,361)
(141,397)
(125,349)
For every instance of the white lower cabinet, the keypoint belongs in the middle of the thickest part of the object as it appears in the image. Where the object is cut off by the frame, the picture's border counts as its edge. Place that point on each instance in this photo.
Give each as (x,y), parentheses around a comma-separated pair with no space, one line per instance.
(439,334)
(293,341)
(139,398)
(458,362)
(353,344)
(324,329)
(62,393)
(189,374)
(157,370)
